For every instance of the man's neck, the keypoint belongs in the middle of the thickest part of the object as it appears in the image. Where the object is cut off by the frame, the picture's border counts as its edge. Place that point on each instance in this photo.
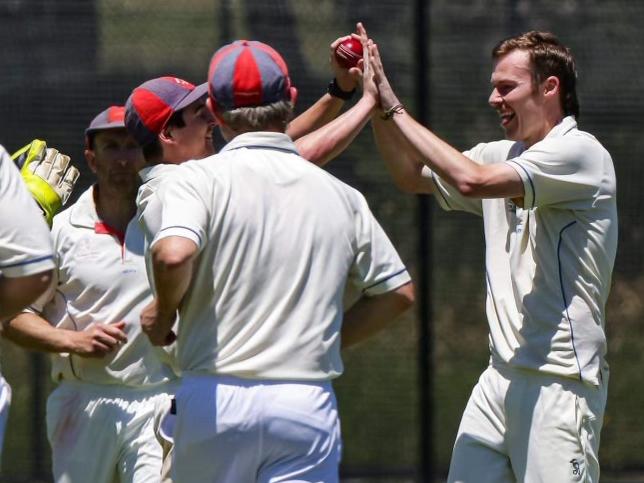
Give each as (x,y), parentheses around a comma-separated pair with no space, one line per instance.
(550,121)
(116,209)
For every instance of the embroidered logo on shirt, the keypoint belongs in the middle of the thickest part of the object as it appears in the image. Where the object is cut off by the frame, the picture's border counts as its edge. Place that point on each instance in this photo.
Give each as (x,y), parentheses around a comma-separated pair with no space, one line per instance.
(575,467)
(84,250)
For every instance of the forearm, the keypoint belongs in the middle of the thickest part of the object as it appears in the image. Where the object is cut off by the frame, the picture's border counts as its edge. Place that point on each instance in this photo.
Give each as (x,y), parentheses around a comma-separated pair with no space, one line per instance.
(320,113)
(31,331)
(402,161)
(329,141)
(469,178)
(370,315)
(17,293)
(446,161)
(172,259)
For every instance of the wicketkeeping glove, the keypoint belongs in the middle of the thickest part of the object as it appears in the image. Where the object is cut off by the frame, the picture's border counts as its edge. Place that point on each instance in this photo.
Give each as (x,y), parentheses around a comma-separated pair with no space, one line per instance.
(48,174)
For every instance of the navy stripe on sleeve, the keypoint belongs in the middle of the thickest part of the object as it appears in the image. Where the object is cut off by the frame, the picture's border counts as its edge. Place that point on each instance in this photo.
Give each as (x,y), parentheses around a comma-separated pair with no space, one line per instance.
(384,279)
(183,228)
(534,193)
(27,262)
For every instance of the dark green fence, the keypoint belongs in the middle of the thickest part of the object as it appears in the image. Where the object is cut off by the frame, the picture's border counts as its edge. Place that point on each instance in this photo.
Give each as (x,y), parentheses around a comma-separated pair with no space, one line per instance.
(65,60)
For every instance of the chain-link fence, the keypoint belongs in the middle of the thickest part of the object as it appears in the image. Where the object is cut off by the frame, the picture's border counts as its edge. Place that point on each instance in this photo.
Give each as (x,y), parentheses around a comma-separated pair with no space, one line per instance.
(66,60)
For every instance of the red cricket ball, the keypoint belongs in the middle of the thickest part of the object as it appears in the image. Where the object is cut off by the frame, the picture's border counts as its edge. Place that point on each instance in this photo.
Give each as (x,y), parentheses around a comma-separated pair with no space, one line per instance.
(348,53)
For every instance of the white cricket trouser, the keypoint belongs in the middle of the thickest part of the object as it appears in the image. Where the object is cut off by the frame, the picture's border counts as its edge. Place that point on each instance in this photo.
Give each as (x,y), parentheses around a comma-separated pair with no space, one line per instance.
(104,433)
(231,430)
(5,402)
(529,427)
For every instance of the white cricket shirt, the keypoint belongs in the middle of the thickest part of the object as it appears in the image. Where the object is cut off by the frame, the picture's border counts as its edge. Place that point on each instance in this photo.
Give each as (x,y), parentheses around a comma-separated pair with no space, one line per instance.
(548,264)
(25,242)
(149,206)
(101,278)
(279,239)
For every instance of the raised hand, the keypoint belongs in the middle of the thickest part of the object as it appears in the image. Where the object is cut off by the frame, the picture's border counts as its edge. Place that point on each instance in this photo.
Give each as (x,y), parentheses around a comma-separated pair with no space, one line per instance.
(48,174)
(388,97)
(347,79)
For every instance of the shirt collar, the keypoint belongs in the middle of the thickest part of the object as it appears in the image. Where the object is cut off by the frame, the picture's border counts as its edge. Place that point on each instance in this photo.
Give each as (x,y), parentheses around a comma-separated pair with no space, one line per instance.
(83,215)
(83,212)
(154,171)
(262,139)
(566,125)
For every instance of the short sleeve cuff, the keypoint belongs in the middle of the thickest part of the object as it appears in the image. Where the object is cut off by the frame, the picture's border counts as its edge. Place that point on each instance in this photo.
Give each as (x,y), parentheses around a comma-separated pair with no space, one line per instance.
(181,231)
(388,283)
(28,267)
(440,196)
(528,184)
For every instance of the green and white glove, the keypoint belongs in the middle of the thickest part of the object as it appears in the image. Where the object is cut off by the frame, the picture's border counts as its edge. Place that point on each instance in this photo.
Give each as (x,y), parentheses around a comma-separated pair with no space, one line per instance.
(48,174)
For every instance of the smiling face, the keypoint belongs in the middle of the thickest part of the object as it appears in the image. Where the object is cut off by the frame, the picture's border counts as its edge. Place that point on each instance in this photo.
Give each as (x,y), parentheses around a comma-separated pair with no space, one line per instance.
(194,139)
(522,106)
(115,158)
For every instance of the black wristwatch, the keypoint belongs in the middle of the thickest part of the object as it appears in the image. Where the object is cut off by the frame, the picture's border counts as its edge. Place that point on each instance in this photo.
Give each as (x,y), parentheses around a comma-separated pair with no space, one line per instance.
(335,90)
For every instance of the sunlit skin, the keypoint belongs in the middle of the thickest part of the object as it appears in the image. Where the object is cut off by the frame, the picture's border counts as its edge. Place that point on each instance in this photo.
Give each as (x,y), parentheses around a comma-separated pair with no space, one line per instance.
(194,140)
(527,112)
(116,160)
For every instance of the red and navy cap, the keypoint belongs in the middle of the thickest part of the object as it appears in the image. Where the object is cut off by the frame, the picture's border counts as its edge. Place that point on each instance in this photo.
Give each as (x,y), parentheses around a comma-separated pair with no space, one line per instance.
(153,103)
(111,118)
(247,73)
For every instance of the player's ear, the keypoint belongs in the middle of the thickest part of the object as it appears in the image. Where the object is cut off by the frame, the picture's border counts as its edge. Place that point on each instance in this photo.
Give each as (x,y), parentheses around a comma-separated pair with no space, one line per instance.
(293,93)
(219,121)
(165,136)
(551,86)
(90,157)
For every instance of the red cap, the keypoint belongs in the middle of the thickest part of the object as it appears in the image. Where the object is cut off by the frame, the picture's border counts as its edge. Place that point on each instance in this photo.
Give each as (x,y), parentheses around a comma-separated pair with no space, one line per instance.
(151,105)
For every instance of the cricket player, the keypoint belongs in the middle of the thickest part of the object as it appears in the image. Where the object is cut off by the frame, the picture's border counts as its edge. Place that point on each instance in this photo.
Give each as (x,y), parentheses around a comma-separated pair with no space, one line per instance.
(26,256)
(547,198)
(100,418)
(169,118)
(255,249)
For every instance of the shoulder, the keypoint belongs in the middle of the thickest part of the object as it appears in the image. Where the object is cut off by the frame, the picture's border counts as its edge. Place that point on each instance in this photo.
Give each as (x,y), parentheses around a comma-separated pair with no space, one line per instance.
(494,152)
(586,143)
(63,222)
(576,148)
(350,194)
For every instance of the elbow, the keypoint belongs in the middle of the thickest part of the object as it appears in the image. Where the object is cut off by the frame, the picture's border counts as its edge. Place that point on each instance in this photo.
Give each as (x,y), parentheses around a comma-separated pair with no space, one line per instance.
(314,155)
(474,181)
(471,186)
(407,296)
(169,254)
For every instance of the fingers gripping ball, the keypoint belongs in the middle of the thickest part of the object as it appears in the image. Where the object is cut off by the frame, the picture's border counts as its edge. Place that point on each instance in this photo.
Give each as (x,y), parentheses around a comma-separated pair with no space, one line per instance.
(48,174)
(348,53)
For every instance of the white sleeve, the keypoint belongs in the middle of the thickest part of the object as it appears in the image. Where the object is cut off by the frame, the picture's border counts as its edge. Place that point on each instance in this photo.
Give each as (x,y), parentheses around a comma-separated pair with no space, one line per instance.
(25,243)
(567,171)
(448,197)
(148,212)
(377,267)
(184,209)
(46,299)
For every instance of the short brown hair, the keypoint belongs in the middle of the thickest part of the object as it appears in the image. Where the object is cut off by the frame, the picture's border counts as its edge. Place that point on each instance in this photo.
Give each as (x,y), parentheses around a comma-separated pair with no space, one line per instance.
(259,118)
(549,58)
